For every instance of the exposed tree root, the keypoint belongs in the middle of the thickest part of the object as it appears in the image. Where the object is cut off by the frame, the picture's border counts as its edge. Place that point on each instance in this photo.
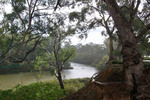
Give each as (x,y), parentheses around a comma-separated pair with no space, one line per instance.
(107,85)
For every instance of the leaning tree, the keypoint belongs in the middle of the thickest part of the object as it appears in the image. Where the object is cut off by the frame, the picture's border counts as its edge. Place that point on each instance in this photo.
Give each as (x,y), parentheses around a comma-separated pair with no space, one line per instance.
(133,67)
(132,60)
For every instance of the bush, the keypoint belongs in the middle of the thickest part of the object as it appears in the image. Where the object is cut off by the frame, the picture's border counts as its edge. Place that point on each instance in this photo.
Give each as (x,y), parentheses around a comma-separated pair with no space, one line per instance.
(42,90)
(36,91)
(101,65)
(11,65)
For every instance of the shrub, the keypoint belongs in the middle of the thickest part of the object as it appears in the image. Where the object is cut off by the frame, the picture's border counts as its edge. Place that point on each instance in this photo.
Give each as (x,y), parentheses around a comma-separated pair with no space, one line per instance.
(42,90)
(101,65)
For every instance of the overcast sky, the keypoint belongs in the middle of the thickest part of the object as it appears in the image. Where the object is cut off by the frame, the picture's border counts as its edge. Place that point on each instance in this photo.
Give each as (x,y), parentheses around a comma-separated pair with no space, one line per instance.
(94,36)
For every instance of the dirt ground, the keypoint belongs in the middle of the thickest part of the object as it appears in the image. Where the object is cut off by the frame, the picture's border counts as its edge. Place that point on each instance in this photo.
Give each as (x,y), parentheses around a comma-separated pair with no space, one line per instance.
(107,85)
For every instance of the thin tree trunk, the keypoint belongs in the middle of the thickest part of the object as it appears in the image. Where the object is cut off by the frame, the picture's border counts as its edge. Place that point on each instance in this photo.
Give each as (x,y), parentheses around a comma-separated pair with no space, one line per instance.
(60,81)
(59,77)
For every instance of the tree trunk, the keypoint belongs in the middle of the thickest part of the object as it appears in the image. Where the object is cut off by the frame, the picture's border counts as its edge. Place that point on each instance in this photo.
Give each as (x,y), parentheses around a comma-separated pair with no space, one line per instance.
(133,67)
(132,60)
(60,80)
(111,49)
(59,77)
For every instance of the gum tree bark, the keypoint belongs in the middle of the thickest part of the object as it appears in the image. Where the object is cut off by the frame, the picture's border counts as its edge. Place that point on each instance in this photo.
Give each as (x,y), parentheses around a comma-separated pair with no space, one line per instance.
(111,49)
(132,60)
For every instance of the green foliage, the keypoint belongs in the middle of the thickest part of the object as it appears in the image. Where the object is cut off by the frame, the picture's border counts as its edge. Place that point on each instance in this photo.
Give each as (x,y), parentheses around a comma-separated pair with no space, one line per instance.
(42,91)
(4,41)
(117,62)
(19,5)
(4,95)
(22,29)
(74,15)
(89,54)
(101,64)
(146,58)
(64,55)
(147,64)
(40,61)
(36,91)
(67,65)
(103,6)
(72,85)
(11,65)
(117,53)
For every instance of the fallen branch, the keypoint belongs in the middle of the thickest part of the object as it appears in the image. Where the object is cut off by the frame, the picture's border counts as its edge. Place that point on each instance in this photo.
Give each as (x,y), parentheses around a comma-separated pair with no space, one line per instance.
(99,83)
(105,84)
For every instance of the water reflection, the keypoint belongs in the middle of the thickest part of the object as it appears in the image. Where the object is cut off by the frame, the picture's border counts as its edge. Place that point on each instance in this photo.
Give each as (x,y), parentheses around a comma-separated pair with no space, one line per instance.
(79,71)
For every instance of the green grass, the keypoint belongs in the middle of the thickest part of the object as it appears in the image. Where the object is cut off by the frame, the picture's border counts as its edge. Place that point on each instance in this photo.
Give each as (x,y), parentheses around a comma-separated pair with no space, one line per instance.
(42,90)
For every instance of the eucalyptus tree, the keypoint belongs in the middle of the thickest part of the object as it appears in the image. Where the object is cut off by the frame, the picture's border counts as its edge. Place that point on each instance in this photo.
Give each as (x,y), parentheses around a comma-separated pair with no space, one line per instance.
(95,14)
(132,60)
(58,30)
(133,66)
(23,25)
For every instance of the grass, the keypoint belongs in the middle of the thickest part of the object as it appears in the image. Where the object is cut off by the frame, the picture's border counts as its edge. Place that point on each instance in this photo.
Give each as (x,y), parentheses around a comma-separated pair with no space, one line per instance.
(42,90)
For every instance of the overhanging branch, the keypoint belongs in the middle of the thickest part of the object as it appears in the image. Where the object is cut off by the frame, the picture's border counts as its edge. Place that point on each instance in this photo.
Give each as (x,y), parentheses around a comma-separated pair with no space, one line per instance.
(147,28)
(27,53)
(134,10)
(57,4)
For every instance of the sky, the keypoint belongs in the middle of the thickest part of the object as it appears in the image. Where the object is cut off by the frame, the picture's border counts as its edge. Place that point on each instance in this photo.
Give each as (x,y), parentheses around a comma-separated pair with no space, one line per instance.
(94,36)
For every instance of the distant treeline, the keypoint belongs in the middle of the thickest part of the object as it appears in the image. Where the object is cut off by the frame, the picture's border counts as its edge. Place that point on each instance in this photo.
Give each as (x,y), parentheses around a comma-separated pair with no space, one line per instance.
(90,54)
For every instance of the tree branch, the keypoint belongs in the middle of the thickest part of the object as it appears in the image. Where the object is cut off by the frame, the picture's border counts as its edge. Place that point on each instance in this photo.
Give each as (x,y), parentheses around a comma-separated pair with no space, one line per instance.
(134,11)
(31,14)
(27,53)
(57,4)
(18,15)
(119,18)
(147,28)
(148,1)
(148,15)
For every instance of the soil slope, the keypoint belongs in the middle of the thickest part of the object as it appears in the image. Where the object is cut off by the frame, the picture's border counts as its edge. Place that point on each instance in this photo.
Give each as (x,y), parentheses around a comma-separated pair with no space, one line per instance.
(107,85)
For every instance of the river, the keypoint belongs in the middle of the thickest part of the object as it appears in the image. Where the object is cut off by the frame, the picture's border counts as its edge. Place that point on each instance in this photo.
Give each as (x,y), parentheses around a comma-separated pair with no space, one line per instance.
(8,81)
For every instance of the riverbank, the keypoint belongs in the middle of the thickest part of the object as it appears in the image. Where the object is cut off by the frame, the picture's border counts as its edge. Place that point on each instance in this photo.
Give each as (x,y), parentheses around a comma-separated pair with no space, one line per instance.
(109,85)
(17,68)
(7,81)
(43,90)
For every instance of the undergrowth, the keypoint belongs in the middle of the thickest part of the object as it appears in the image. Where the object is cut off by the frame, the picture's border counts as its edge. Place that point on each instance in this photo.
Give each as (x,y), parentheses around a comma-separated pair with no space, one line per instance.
(42,90)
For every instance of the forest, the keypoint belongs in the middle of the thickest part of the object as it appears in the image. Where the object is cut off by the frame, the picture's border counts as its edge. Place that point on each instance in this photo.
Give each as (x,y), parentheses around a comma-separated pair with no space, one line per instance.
(34,39)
